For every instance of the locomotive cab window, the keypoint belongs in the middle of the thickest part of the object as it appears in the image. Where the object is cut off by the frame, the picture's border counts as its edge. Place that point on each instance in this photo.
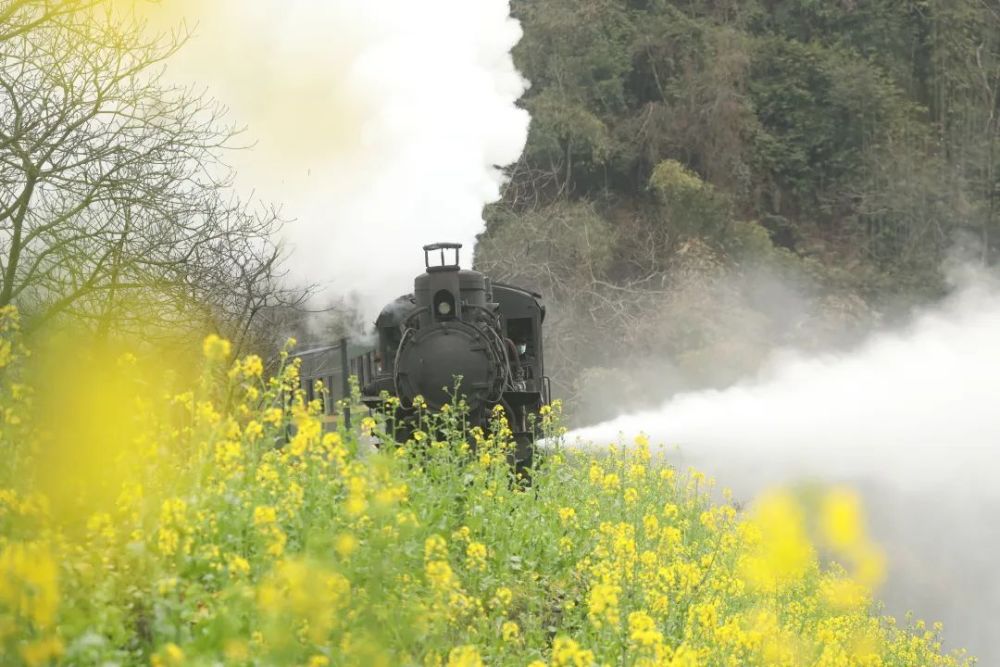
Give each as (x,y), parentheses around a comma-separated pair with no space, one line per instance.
(520,331)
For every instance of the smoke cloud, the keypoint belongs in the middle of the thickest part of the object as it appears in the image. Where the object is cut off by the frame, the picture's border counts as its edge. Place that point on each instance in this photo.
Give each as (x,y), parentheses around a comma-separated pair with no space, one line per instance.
(909,417)
(380,125)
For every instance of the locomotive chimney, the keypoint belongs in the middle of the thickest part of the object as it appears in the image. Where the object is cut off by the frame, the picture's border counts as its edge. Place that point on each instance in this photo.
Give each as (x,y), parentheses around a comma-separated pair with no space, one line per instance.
(446,292)
(438,291)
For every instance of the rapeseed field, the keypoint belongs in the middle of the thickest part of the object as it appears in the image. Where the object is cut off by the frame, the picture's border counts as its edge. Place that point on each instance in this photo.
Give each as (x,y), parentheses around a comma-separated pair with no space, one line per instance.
(219,524)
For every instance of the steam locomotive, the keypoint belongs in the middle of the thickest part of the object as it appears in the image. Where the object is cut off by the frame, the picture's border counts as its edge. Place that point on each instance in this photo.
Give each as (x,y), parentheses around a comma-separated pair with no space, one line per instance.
(458,332)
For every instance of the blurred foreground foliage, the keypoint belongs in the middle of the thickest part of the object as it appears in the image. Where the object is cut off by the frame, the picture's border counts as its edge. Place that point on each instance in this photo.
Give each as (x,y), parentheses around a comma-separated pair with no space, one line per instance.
(221,524)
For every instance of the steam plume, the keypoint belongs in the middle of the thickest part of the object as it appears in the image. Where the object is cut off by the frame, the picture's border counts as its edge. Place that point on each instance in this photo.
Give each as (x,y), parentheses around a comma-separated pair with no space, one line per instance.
(911,417)
(379,124)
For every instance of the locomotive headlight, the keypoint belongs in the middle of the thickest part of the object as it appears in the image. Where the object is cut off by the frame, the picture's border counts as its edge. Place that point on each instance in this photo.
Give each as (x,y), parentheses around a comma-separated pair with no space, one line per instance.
(444,305)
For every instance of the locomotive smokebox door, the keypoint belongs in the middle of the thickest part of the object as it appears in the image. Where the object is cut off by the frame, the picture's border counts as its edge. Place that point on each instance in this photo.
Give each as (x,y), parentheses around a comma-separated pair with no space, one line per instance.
(433,360)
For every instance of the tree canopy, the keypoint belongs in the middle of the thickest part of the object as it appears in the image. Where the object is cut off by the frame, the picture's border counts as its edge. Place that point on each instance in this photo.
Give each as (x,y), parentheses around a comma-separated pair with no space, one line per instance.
(710,152)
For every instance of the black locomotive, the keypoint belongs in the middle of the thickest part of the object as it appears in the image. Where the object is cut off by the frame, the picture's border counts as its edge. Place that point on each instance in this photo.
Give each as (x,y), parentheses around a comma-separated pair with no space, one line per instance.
(461,331)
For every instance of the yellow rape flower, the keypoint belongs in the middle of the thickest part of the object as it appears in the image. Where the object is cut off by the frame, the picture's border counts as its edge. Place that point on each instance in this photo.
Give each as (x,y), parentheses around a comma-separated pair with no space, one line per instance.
(602,605)
(253,366)
(238,566)
(464,656)
(841,519)
(215,348)
(169,655)
(784,552)
(29,582)
(610,481)
(642,630)
(345,544)
(476,556)
(276,542)
(41,652)
(440,574)
(567,653)
(264,515)
(435,548)
(368,425)
(253,430)
(502,598)
(167,541)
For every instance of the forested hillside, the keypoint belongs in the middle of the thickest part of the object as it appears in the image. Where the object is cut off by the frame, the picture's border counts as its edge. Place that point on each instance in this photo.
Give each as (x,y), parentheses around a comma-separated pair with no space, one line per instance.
(688,160)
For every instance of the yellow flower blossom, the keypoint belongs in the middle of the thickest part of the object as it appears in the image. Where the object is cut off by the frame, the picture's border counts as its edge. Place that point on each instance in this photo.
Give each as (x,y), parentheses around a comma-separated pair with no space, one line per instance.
(503,597)
(435,548)
(841,519)
(567,653)
(602,603)
(215,348)
(253,430)
(238,566)
(784,552)
(476,556)
(464,656)
(29,582)
(264,515)
(253,366)
(440,574)
(345,544)
(272,416)
(41,652)
(169,655)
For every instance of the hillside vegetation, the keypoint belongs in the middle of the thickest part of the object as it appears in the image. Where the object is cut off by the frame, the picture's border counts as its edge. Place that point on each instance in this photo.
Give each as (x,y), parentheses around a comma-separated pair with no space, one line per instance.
(219,524)
(689,161)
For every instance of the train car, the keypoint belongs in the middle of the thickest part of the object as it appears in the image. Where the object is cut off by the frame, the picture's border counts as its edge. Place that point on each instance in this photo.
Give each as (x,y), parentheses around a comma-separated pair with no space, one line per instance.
(331,367)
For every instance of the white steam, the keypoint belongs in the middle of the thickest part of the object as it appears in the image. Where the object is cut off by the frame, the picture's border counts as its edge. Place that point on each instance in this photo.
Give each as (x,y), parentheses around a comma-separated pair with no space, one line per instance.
(921,405)
(380,125)
(912,418)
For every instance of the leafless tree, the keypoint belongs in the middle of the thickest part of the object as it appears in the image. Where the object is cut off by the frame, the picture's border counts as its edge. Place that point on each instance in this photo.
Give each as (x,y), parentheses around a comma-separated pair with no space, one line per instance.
(114,199)
(18,17)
